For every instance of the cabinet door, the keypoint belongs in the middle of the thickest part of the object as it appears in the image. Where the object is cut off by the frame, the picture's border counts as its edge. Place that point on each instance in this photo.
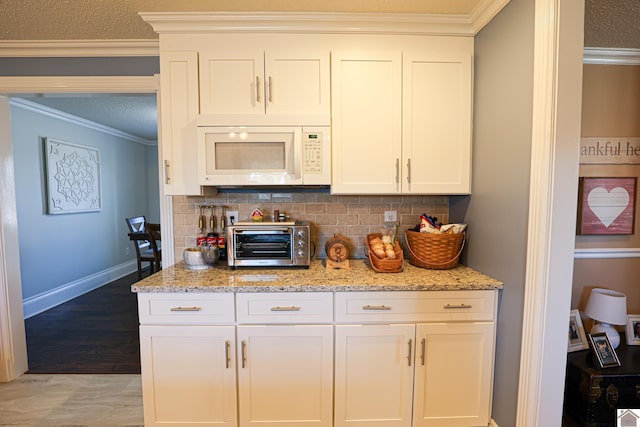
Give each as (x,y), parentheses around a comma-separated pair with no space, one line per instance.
(188,375)
(437,118)
(366,90)
(178,111)
(454,372)
(374,375)
(285,375)
(297,82)
(232,82)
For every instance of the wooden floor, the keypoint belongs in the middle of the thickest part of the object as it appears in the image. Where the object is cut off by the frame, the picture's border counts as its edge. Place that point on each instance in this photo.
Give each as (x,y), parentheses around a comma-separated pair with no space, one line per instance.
(96,333)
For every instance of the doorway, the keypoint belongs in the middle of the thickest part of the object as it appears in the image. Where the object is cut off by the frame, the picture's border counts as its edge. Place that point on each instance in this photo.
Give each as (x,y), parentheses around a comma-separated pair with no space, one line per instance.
(12,335)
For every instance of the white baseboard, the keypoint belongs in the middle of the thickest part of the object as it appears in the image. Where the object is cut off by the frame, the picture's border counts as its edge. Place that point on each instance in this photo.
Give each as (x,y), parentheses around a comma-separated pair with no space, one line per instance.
(46,300)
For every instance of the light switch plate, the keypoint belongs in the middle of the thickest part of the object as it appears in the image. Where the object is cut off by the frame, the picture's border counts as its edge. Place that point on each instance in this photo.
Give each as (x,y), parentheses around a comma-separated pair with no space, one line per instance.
(390,216)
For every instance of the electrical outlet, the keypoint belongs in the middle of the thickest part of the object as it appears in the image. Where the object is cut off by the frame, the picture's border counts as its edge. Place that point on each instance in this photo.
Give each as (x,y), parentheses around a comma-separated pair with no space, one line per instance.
(233,214)
(126,251)
(390,216)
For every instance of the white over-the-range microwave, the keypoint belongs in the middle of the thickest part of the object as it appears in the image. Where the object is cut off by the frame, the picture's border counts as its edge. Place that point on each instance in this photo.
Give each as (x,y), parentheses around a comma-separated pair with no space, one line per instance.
(264,155)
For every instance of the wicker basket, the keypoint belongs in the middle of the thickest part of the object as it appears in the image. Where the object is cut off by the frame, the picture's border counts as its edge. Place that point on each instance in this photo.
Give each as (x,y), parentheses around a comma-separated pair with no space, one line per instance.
(385,265)
(435,251)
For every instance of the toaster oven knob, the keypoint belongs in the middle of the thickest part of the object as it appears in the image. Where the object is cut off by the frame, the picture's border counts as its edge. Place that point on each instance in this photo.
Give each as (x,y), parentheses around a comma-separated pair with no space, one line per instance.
(301,253)
(301,233)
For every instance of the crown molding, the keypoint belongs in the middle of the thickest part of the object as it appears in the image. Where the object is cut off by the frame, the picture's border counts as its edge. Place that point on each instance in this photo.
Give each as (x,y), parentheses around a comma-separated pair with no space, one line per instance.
(79,84)
(611,56)
(78,48)
(325,22)
(70,118)
(607,253)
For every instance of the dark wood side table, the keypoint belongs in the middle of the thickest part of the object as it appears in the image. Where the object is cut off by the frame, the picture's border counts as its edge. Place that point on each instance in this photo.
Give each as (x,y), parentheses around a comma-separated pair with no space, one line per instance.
(592,394)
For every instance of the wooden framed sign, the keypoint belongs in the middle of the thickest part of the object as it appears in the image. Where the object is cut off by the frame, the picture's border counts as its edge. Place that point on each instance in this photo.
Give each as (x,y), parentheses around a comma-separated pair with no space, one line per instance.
(606,205)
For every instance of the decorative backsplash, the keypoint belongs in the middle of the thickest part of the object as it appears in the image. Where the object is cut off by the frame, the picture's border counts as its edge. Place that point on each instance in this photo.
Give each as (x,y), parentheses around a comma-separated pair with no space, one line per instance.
(350,216)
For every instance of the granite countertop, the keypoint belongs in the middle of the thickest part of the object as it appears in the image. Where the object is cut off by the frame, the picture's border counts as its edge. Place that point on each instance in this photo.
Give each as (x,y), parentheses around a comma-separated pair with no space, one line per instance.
(359,277)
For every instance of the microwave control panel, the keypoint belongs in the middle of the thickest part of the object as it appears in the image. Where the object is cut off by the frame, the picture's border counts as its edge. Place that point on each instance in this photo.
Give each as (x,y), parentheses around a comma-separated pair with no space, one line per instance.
(316,152)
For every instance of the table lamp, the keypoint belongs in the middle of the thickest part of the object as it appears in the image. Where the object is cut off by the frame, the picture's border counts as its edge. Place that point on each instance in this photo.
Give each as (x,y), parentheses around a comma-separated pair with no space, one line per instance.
(608,308)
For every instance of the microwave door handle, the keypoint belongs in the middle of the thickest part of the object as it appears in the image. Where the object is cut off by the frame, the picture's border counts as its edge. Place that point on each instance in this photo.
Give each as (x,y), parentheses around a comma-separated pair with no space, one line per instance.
(297,148)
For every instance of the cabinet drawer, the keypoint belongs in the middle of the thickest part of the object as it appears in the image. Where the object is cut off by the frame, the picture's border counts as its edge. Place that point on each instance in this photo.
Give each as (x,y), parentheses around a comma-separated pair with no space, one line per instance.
(291,307)
(410,306)
(189,308)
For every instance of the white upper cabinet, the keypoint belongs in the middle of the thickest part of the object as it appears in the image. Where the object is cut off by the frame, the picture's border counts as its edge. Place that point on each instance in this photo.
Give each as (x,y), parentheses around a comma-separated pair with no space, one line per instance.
(401,122)
(436,123)
(179,108)
(264,82)
(366,98)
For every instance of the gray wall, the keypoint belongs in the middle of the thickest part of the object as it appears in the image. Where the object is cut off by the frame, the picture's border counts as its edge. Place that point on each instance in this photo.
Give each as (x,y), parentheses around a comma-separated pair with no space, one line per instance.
(56,250)
(498,208)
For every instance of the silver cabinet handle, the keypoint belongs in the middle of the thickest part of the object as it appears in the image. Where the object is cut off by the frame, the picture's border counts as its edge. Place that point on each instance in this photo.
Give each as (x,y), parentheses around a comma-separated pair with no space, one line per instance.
(376,307)
(227,353)
(409,171)
(194,308)
(244,353)
(410,352)
(291,308)
(167,178)
(270,89)
(458,306)
(424,351)
(258,97)
(397,170)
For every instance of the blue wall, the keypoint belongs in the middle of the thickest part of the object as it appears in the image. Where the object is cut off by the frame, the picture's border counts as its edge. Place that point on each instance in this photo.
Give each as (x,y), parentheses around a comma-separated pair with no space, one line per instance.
(80,251)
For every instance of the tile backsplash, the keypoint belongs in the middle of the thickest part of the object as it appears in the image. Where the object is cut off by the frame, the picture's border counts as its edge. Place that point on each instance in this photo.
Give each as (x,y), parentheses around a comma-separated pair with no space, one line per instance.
(350,216)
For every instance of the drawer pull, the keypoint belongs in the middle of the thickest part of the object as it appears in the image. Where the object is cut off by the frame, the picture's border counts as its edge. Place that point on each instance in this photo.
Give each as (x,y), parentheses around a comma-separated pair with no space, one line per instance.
(376,307)
(291,308)
(458,306)
(194,308)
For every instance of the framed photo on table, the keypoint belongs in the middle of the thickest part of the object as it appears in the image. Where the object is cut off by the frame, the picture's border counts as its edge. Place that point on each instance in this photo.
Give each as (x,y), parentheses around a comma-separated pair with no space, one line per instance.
(606,205)
(577,337)
(603,350)
(633,329)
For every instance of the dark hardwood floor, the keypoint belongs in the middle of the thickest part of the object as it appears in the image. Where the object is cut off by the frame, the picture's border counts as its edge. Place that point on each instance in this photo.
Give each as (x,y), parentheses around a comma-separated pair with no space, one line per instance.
(95,333)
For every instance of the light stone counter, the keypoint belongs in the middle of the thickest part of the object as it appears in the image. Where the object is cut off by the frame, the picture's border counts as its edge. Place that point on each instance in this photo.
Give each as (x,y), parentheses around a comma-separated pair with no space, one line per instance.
(359,277)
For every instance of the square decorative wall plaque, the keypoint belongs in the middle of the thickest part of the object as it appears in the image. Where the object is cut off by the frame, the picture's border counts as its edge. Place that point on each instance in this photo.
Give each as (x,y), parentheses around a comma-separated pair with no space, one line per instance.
(73,177)
(606,205)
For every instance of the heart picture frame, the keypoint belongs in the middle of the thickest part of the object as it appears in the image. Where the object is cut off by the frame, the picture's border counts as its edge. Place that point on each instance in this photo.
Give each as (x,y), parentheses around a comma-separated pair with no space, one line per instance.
(606,205)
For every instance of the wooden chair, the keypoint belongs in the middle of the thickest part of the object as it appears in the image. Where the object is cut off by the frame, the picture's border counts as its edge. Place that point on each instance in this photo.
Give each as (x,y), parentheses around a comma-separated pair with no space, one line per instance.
(146,240)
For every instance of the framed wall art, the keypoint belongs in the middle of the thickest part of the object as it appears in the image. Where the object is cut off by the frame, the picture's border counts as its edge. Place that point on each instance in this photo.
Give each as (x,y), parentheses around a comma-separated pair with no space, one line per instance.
(73,177)
(577,337)
(606,205)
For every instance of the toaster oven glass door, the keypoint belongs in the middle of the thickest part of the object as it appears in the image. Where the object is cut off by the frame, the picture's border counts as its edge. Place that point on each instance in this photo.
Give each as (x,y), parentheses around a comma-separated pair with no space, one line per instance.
(263,244)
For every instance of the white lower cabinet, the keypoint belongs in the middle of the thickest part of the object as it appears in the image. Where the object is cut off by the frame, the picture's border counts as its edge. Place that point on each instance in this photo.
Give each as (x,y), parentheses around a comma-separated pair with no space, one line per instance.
(285,376)
(188,375)
(420,359)
(374,375)
(400,359)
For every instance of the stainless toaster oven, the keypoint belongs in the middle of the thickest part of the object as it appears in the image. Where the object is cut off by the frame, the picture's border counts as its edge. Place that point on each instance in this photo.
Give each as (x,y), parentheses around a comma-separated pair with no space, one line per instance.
(269,244)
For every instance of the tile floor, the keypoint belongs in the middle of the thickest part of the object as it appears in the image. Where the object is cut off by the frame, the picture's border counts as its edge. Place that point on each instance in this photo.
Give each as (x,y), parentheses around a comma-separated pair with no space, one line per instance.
(74,400)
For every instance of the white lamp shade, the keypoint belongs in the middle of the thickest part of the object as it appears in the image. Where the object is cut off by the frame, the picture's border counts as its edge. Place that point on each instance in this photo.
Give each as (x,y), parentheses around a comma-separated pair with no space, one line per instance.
(607,306)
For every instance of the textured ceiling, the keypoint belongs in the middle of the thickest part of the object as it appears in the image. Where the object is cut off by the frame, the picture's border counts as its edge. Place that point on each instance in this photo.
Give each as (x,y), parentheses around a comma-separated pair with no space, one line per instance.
(133,114)
(612,23)
(118,19)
